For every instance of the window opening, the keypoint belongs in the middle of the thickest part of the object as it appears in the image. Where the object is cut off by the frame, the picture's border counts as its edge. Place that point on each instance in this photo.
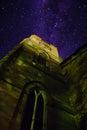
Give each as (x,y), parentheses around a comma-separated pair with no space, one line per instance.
(34,111)
(28,112)
(38,125)
(41,59)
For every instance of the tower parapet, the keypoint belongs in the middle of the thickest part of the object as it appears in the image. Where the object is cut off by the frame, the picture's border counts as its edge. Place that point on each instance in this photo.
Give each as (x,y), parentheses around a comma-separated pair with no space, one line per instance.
(36,42)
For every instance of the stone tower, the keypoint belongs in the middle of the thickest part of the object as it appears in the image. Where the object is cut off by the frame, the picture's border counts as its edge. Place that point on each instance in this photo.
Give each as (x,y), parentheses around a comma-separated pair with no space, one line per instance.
(33,93)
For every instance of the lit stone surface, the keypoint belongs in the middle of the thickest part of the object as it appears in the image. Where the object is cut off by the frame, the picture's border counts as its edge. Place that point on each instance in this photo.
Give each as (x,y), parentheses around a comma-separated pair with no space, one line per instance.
(39,44)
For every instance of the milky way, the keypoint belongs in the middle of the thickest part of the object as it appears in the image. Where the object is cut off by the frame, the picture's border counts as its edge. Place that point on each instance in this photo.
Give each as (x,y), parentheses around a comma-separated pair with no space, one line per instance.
(62,23)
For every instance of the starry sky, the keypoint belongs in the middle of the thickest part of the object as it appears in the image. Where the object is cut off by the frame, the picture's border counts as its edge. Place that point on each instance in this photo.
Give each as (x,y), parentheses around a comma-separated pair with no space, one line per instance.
(62,23)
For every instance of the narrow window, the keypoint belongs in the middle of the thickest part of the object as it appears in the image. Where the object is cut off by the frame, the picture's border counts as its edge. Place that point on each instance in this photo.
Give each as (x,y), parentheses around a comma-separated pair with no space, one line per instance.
(34,111)
(41,59)
(27,119)
(38,125)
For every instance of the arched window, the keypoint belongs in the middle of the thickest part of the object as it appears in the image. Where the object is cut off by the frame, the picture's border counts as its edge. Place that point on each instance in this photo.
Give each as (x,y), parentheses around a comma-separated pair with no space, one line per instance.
(33,118)
(41,59)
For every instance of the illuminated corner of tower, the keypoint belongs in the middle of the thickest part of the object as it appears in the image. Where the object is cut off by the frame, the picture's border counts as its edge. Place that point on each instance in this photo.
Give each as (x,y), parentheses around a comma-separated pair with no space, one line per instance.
(38,43)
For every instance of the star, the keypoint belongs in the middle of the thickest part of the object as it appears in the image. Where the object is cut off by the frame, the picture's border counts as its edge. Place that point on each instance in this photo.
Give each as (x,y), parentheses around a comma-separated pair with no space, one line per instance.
(85,6)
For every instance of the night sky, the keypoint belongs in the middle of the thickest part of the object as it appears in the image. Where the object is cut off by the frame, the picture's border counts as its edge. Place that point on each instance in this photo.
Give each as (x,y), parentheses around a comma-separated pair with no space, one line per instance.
(62,23)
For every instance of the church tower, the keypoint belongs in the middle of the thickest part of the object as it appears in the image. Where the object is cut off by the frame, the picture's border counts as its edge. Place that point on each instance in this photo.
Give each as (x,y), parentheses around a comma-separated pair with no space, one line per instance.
(33,93)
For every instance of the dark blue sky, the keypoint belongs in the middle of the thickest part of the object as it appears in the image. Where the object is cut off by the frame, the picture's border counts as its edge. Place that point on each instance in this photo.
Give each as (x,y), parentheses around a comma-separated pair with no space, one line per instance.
(62,23)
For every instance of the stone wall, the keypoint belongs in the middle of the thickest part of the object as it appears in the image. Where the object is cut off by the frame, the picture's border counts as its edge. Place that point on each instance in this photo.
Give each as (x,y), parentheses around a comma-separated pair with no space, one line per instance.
(20,72)
(75,73)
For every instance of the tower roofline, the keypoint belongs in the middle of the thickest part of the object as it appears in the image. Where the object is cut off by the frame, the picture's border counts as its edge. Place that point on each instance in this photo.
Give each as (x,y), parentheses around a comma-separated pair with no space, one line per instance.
(37,42)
